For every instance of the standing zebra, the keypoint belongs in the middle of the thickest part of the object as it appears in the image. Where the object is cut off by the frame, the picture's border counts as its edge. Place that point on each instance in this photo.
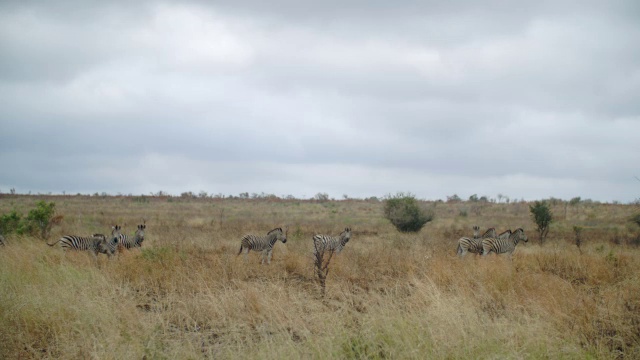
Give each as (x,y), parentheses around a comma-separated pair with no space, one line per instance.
(322,243)
(474,245)
(501,246)
(95,244)
(263,243)
(134,241)
(476,231)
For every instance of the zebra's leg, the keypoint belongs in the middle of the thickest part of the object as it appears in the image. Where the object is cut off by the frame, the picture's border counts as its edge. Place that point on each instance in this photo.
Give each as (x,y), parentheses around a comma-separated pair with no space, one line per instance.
(269,256)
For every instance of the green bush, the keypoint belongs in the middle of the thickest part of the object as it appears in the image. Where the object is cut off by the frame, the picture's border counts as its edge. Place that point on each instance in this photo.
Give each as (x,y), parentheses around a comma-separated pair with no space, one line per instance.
(542,217)
(405,213)
(37,222)
(636,219)
(40,218)
(10,223)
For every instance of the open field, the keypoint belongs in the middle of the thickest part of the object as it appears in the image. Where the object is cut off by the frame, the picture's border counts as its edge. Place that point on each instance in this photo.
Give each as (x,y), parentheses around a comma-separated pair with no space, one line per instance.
(389,295)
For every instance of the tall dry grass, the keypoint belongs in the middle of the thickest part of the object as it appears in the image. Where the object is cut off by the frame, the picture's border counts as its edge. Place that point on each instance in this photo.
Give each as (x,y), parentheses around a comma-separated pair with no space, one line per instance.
(185,294)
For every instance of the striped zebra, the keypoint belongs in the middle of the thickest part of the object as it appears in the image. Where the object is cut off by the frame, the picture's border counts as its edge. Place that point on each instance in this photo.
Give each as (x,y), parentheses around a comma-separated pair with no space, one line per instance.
(129,242)
(262,243)
(501,246)
(474,245)
(476,231)
(95,244)
(322,243)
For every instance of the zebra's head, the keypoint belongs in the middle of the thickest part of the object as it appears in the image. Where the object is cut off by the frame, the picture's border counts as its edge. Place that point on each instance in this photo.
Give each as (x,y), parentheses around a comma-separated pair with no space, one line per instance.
(280,235)
(115,232)
(106,246)
(346,235)
(476,231)
(140,233)
(519,234)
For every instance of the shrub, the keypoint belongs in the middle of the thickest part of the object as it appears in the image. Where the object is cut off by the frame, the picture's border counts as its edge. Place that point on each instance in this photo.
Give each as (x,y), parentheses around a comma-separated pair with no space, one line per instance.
(10,223)
(42,218)
(542,217)
(405,213)
(37,222)
(636,219)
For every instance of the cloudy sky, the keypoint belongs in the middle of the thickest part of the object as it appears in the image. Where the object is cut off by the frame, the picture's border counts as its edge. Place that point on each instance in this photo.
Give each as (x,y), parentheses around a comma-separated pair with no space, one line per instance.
(529,99)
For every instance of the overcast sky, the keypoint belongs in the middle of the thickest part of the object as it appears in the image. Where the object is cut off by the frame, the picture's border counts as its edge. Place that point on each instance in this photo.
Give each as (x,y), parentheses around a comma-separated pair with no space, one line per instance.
(529,99)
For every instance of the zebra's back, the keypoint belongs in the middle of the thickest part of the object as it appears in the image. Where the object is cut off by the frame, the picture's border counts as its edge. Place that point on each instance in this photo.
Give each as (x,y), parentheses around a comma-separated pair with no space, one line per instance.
(501,245)
(255,242)
(322,243)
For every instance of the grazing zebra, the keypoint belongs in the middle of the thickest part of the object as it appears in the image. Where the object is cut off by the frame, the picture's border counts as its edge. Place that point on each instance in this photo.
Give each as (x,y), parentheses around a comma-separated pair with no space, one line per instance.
(474,245)
(134,241)
(263,243)
(322,243)
(96,244)
(501,246)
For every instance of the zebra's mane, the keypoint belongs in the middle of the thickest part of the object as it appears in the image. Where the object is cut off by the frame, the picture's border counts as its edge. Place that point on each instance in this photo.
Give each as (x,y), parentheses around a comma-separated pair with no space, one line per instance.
(275,230)
(518,230)
(489,230)
(506,231)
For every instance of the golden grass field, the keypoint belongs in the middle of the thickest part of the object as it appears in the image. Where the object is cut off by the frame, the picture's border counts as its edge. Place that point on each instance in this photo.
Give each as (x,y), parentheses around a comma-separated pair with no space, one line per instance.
(186,295)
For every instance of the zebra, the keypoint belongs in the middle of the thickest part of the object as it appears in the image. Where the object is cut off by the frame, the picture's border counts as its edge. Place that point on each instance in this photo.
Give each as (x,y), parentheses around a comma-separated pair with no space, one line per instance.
(474,245)
(501,246)
(134,241)
(95,244)
(262,243)
(476,231)
(322,243)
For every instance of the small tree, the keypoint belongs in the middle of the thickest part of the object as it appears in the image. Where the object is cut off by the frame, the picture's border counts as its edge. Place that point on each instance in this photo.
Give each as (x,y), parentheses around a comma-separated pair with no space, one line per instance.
(405,213)
(42,218)
(321,197)
(542,217)
(453,198)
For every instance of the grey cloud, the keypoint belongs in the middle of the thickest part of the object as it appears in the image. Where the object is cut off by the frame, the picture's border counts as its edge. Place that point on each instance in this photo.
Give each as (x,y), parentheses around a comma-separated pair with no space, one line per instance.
(529,99)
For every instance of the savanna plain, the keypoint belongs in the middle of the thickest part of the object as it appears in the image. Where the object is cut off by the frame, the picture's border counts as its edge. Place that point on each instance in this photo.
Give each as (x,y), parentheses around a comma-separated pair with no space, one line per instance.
(389,295)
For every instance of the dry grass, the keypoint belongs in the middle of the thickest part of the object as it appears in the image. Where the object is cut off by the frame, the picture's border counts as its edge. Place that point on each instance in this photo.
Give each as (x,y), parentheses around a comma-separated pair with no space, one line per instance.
(388,295)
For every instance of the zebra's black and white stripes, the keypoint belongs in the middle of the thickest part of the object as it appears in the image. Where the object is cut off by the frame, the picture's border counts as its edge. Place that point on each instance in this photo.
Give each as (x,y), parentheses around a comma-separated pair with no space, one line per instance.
(95,244)
(474,245)
(263,243)
(130,242)
(501,246)
(322,243)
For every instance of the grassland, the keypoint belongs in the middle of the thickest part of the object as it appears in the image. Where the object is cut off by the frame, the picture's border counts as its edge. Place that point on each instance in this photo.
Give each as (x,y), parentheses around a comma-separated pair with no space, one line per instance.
(186,295)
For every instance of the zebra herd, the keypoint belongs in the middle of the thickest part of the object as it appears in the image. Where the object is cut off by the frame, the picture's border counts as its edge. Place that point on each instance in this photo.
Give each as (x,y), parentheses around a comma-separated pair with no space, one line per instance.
(489,241)
(100,243)
(504,242)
